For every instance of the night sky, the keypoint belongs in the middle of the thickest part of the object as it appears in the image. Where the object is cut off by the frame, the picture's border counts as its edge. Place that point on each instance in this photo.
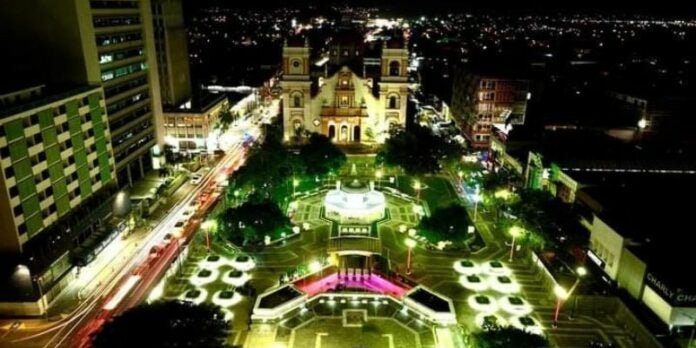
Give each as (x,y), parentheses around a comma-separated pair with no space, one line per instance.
(664,7)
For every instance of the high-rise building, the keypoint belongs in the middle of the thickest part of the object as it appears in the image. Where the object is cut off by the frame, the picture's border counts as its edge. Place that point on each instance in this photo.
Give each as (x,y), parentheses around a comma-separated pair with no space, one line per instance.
(482,101)
(172,52)
(123,33)
(107,42)
(57,173)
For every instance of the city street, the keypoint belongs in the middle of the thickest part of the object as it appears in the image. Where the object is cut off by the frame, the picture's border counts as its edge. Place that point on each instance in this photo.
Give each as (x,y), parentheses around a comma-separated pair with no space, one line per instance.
(116,264)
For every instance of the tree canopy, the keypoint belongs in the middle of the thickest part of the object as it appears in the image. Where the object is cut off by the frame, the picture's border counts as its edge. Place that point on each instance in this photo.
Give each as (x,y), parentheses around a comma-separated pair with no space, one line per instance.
(165,324)
(225,119)
(418,151)
(268,164)
(448,223)
(320,155)
(508,336)
(251,221)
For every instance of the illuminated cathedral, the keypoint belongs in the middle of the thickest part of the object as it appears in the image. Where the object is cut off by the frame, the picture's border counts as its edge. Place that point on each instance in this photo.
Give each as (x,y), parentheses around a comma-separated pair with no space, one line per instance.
(351,91)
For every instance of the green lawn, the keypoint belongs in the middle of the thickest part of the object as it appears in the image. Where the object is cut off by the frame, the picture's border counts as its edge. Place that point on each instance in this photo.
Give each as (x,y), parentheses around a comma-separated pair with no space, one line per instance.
(437,191)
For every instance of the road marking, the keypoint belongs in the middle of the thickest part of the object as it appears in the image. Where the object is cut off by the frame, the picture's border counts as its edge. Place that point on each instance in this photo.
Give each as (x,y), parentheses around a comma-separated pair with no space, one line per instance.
(390,338)
(317,342)
(236,337)
(291,341)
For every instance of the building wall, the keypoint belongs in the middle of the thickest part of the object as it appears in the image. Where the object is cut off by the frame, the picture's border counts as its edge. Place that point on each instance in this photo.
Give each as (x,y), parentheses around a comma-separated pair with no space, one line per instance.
(53,157)
(193,127)
(608,245)
(172,51)
(48,28)
(123,33)
(631,274)
(480,102)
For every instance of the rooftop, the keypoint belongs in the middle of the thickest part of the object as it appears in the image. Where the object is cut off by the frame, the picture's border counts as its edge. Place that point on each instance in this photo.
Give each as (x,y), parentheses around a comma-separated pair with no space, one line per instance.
(654,214)
(20,100)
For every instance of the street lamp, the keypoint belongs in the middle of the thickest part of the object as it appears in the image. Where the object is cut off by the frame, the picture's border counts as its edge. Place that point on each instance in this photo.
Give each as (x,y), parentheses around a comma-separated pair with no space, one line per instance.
(207,226)
(417,187)
(410,243)
(295,183)
(581,272)
(378,175)
(39,284)
(561,295)
(236,196)
(461,177)
(514,232)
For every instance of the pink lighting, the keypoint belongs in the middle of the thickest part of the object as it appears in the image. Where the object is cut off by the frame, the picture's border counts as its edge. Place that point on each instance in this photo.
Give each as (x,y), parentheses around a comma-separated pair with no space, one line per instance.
(373,283)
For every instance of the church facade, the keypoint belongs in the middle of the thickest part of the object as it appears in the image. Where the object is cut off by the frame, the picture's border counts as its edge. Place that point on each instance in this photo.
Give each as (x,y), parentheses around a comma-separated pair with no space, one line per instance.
(346,106)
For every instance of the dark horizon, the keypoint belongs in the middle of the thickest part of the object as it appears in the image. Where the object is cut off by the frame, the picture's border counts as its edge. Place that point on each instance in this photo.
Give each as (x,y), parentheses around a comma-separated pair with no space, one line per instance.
(671,9)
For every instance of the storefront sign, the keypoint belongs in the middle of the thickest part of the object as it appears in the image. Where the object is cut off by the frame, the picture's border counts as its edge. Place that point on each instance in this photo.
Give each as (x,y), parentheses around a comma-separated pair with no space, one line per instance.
(674,296)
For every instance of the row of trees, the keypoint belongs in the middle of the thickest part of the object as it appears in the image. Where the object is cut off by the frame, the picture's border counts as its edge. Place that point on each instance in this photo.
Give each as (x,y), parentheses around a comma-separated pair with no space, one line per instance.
(418,151)
(266,181)
(165,324)
(270,166)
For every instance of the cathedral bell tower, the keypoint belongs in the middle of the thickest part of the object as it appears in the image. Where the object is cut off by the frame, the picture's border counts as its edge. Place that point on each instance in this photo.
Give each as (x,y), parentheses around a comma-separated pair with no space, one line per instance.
(296,89)
(393,85)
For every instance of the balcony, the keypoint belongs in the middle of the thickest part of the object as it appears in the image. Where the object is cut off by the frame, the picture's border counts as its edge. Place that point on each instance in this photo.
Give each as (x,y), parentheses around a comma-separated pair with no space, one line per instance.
(343,112)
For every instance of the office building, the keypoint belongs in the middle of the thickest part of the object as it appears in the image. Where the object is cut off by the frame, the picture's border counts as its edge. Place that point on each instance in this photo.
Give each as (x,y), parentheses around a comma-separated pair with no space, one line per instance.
(172,52)
(58,173)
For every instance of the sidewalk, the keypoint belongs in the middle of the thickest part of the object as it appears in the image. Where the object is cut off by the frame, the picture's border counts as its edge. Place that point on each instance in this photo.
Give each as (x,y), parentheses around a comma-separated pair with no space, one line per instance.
(110,259)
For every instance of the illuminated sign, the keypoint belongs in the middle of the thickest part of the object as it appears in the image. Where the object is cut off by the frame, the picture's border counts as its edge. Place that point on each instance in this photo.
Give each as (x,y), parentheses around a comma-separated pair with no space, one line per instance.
(595,258)
(675,297)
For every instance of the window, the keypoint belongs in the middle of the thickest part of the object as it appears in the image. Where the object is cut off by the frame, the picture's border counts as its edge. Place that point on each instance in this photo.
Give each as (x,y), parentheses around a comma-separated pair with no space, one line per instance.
(123,71)
(344,101)
(296,63)
(22,228)
(9,172)
(4,152)
(297,100)
(17,210)
(394,69)
(393,102)
(487,84)
(14,191)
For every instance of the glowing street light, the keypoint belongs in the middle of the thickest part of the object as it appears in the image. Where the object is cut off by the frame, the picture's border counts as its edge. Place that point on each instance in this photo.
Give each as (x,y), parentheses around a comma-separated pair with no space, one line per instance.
(515,232)
(642,123)
(236,196)
(410,243)
(207,226)
(581,272)
(417,187)
(378,175)
(315,266)
(295,183)
(461,177)
(561,295)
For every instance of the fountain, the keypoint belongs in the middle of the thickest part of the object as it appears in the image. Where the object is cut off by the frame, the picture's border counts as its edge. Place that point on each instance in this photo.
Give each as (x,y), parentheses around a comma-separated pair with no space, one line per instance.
(356,201)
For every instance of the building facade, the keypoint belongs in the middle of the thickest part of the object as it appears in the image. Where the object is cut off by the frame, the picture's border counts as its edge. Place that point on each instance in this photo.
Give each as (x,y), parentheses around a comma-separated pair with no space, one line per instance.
(193,130)
(125,46)
(57,162)
(172,52)
(107,42)
(346,107)
(482,102)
